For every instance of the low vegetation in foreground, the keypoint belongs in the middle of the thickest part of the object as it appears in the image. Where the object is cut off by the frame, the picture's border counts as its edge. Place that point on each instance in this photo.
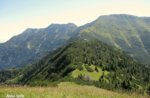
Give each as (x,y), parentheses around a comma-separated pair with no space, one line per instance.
(64,90)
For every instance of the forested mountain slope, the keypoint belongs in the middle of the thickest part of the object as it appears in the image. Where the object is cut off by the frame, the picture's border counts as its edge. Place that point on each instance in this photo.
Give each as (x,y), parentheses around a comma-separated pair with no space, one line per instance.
(89,61)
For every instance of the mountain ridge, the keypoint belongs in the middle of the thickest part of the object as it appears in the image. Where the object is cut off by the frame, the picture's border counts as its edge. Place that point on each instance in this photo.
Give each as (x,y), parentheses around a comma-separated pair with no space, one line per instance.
(33,43)
(127,32)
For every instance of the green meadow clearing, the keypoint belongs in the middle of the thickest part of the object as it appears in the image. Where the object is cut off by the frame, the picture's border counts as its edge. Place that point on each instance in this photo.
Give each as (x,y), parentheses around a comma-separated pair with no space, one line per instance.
(64,90)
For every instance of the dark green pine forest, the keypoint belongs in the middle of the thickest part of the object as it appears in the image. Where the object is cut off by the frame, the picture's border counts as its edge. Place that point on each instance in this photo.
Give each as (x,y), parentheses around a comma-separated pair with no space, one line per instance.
(87,62)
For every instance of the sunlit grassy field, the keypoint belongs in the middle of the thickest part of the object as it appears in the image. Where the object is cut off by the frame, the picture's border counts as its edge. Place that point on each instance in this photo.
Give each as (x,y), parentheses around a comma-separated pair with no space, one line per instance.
(64,90)
(93,75)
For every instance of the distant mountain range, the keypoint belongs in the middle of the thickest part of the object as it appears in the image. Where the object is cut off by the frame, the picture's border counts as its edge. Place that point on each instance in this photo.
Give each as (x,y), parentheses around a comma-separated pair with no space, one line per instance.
(33,44)
(128,33)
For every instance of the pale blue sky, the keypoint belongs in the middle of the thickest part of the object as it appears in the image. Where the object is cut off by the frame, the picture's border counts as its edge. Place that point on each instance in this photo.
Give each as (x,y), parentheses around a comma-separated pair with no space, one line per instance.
(17,15)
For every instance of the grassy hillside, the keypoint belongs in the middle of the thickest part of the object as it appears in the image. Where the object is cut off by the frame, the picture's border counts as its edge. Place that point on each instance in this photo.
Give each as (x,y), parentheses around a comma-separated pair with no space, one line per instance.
(65,90)
(129,33)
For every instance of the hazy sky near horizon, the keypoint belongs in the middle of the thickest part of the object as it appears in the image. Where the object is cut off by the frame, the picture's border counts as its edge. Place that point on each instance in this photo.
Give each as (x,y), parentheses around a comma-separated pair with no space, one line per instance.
(17,15)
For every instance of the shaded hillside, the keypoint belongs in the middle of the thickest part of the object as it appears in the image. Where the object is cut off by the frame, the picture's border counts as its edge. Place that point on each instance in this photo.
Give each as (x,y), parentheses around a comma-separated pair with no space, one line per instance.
(33,44)
(89,61)
(8,74)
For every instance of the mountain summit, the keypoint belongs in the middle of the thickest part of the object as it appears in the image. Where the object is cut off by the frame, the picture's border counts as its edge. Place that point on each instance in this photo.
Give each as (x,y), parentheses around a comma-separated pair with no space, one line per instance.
(129,33)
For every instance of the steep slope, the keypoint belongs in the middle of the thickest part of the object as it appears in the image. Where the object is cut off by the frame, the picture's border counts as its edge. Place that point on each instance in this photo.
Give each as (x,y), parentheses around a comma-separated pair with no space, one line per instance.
(129,33)
(89,61)
(33,44)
